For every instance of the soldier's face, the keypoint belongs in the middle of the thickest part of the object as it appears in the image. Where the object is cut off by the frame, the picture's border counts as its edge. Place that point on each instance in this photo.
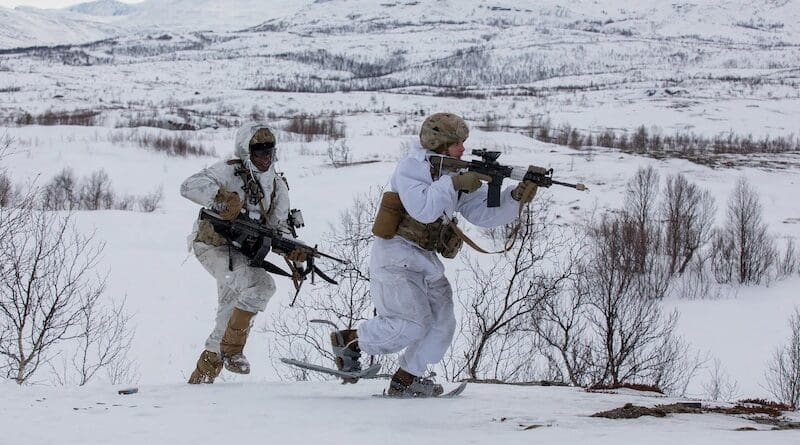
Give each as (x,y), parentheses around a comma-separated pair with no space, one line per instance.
(261,159)
(456,150)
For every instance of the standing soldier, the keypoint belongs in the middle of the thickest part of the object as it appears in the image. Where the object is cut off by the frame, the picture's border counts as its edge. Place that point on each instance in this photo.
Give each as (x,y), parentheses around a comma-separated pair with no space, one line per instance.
(250,185)
(411,294)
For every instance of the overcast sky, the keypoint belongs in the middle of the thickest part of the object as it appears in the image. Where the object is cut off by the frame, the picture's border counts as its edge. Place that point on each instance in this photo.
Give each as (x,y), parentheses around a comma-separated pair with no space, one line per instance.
(50,3)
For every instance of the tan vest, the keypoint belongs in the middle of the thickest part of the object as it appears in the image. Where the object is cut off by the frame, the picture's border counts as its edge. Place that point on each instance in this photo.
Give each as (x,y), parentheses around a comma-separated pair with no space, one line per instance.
(393,220)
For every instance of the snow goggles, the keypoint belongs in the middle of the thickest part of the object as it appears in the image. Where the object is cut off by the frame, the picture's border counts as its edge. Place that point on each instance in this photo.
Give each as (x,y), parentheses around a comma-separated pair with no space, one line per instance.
(263,149)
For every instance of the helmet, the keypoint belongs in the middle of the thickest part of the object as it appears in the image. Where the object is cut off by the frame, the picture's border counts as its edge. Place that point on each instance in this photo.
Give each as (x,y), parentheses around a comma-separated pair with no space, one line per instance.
(441,130)
(253,137)
(263,136)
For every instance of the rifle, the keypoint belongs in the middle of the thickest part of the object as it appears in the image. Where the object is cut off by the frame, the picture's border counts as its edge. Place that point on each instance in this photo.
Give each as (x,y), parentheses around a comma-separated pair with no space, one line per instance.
(255,241)
(489,166)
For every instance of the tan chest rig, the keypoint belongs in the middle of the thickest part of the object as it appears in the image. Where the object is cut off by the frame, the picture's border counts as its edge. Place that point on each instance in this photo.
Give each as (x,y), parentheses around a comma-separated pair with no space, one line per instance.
(438,236)
(254,194)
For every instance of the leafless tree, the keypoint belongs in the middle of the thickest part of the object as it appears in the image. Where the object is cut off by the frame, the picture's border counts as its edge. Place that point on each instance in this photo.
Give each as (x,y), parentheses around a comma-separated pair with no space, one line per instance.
(743,249)
(641,195)
(720,386)
(291,332)
(561,326)
(6,186)
(49,295)
(502,297)
(787,264)
(688,215)
(96,192)
(783,373)
(624,295)
(339,152)
(61,193)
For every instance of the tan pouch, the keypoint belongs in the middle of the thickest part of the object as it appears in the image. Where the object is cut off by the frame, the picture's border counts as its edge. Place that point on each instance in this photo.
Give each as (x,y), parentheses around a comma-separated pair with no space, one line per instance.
(390,213)
(449,241)
(206,234)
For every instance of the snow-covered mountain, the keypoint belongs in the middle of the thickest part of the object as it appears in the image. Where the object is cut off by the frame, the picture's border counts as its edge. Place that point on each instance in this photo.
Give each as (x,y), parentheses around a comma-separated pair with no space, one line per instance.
(22,27)
(104,8)
(774,22)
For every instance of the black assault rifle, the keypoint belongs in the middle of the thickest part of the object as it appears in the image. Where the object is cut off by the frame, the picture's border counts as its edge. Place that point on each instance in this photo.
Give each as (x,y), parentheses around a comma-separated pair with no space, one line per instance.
(255,241)
(489,166)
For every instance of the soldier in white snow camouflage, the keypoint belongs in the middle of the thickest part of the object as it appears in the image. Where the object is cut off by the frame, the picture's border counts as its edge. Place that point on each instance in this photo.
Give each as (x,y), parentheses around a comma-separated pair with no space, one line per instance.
(246,184)
(412,296)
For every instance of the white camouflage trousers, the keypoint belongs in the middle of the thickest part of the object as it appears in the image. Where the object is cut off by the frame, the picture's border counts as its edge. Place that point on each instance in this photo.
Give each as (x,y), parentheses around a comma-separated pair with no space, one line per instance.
(245,287)
(414,302)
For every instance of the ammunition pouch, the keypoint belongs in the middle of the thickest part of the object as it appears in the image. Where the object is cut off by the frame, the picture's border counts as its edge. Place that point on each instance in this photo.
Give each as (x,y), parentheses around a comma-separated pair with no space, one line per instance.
(392,220)
(437,236)
(390,213)
(207,235)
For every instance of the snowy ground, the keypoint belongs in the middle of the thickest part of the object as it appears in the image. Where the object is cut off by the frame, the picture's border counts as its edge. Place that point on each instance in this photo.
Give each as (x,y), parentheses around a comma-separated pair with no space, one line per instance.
(315,413)
(618,65)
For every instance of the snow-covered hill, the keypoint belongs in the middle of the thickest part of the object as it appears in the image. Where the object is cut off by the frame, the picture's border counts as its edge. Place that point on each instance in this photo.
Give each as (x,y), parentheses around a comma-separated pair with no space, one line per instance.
(767,23)
(22,27)
(103,8)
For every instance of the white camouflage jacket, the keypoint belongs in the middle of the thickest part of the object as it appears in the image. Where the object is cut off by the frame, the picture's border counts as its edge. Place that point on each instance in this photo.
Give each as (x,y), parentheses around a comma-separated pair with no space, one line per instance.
(203,186)
(426,200)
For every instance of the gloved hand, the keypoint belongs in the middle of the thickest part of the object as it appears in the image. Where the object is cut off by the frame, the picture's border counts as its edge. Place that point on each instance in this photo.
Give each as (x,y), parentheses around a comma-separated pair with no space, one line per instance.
(297,255)
(524,191)
(469,181)
(227,204)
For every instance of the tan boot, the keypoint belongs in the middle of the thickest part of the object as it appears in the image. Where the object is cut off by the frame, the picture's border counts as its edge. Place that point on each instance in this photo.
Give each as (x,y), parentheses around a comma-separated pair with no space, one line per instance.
(209,365)
(233,341)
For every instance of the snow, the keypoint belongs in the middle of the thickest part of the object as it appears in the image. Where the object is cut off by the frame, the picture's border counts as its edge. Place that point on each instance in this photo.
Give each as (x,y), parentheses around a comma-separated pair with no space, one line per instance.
(626,54)
(317,413)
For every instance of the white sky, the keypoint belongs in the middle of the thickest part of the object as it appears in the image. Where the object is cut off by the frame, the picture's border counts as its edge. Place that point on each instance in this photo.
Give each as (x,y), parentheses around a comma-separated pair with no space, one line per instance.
(50,3)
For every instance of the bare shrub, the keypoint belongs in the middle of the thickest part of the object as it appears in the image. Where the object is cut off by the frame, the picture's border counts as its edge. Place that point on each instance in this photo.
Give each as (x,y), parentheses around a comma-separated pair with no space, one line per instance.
(720,386)
(151,202)
(291,334)
(500,299)
(6,186)
(48,284)
(623,293)
(688,215)
(311,126)
(96,192)
(75,117)
(339,153)
(783,373)
(175,145)
(561,326)
(6,190)
(62,192)
(787,264)
(639,140)
(743,249)
(103,340)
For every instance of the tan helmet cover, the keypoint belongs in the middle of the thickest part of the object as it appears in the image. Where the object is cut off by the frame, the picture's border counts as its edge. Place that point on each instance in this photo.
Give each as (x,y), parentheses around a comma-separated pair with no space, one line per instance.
(262,136)
(442,130)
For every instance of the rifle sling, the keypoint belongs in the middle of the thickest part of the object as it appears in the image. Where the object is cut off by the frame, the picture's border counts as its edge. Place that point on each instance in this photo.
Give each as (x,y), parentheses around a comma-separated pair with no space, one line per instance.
(478,248)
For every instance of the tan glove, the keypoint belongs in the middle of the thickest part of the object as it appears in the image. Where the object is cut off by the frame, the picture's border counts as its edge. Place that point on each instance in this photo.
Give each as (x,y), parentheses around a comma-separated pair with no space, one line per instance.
(524,192)
(469,181)
(228,204)
(297,255)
